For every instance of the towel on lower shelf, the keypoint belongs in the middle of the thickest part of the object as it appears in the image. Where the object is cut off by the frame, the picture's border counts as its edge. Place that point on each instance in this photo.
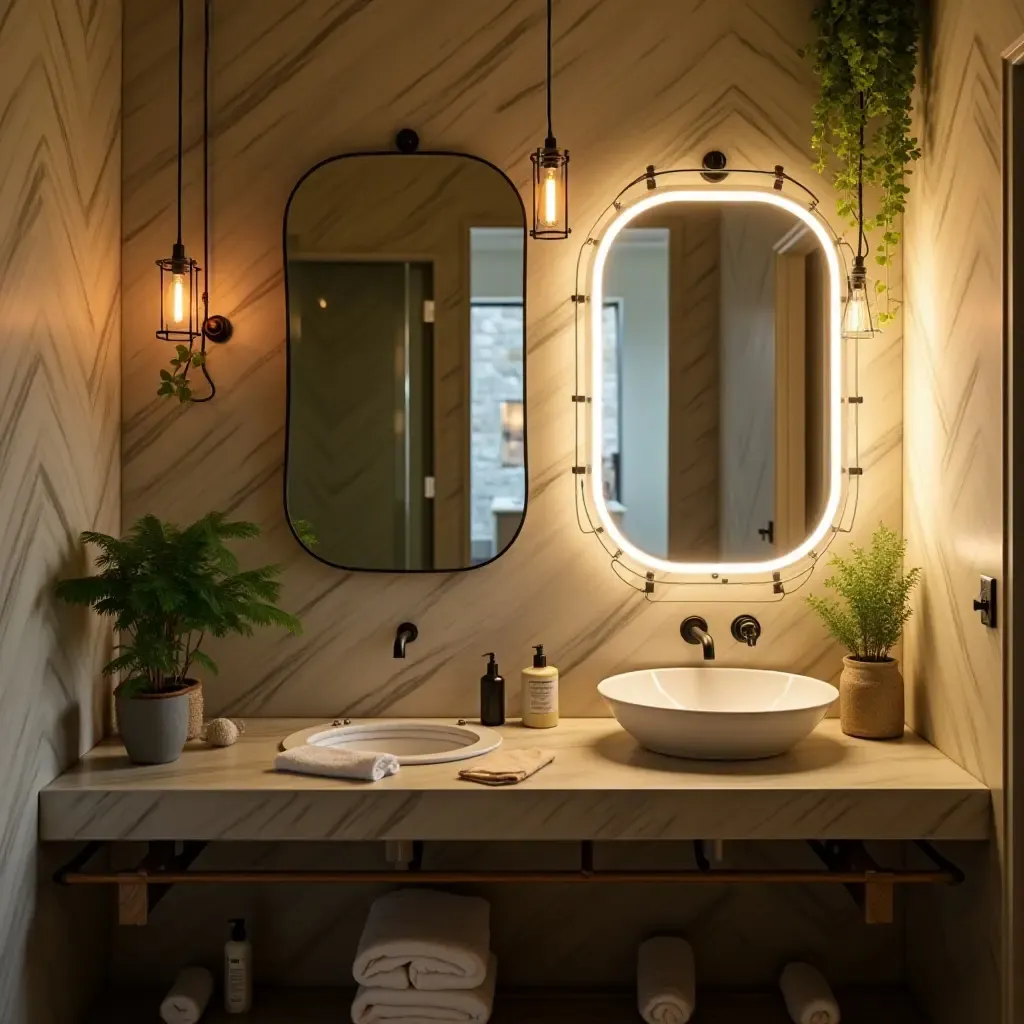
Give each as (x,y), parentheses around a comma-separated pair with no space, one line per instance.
(432,940)
(186,1002)
(665,980)
(809,999)
(336,763)
(413,1006)
(507,767)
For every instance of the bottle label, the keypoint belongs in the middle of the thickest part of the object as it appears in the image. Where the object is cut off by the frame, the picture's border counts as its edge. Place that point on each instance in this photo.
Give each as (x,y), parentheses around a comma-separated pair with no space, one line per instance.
(543,696)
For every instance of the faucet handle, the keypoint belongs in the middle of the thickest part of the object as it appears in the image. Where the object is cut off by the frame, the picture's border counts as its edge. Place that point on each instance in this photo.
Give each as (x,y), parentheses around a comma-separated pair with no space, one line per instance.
(746,630)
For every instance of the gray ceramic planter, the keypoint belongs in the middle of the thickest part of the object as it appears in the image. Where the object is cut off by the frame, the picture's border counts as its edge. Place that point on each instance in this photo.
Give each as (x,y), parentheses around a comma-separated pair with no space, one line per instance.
(154,726)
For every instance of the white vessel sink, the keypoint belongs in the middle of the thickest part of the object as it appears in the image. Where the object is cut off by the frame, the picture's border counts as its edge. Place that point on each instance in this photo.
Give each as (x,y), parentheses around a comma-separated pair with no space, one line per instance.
(410,742)
(717,714)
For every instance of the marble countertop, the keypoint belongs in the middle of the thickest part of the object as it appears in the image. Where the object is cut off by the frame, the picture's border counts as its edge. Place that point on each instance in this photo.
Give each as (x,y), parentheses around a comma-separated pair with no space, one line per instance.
(602,785)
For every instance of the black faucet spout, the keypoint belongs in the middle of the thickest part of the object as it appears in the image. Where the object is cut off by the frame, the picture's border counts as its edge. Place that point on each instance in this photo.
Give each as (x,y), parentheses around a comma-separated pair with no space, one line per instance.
(406,634)
(694,630)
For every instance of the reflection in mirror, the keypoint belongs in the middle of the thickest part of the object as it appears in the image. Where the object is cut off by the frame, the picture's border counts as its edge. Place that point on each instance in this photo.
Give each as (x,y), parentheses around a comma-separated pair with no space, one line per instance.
(406,446)
(714,395)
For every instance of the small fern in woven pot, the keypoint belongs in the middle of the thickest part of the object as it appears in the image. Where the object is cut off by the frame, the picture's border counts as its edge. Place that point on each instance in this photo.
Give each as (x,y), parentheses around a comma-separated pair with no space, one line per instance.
(167,590)
(875,593)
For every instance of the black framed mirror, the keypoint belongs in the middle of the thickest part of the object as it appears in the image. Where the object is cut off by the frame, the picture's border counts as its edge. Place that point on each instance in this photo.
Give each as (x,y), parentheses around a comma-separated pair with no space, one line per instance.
(406,442)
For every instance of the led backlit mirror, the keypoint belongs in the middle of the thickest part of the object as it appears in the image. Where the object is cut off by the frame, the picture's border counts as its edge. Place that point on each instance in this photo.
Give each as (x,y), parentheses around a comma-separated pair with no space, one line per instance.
(406,445)
(714,380)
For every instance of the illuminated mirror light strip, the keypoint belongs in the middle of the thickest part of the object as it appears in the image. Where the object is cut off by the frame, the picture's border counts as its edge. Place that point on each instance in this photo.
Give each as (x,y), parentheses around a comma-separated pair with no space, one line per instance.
(718,194)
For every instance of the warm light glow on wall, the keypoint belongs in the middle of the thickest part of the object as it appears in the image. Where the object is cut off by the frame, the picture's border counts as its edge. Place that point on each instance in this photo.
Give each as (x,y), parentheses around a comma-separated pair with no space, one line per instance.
(717,195)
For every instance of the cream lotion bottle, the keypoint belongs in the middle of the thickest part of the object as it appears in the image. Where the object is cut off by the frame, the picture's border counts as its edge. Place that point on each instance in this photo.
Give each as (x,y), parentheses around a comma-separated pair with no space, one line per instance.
(540,693)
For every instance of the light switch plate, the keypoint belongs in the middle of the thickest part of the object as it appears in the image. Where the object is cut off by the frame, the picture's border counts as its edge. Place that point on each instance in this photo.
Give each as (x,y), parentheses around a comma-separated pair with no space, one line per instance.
(985,603)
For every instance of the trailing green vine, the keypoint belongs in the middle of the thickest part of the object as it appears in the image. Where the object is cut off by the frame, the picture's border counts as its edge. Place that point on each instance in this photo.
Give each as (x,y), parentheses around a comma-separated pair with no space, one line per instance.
(865,57)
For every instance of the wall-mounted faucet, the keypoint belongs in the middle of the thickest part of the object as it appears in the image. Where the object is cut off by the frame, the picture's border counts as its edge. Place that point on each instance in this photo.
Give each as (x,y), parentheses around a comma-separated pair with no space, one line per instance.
(694,630)
(746,630)
(406,634)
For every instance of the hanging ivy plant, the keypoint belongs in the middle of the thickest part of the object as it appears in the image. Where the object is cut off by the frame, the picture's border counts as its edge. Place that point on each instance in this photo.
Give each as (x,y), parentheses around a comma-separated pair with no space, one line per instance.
(865,57)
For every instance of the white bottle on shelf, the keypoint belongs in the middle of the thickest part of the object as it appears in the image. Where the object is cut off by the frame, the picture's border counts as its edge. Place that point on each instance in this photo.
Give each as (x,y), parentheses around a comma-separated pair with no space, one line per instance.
(238,970)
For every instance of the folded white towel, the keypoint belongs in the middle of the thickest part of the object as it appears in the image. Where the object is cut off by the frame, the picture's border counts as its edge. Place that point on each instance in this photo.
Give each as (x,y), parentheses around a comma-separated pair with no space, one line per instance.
(414,1006)
(187,999)
(666,980)
(433,940)
(337,763)
(808,996)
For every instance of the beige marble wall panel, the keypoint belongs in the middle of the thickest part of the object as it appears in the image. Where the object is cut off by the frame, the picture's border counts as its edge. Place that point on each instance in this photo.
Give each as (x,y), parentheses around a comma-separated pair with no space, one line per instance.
(60,144)
(293,85)
(953,465)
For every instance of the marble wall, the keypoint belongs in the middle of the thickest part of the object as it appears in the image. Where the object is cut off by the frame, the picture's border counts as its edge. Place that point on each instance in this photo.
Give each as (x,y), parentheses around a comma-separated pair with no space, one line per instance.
(60,139)
(954,461)
(293,85)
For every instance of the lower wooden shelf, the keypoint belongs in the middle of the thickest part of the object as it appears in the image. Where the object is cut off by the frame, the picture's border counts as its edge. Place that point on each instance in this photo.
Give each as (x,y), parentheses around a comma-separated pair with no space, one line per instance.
(330,1006)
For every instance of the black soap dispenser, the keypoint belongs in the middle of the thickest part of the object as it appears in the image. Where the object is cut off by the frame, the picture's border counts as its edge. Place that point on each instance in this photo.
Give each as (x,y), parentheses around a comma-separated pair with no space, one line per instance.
(492,694)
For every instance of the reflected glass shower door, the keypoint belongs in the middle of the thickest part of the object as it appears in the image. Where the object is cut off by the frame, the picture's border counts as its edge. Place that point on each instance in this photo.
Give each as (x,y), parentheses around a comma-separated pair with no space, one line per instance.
(360,445)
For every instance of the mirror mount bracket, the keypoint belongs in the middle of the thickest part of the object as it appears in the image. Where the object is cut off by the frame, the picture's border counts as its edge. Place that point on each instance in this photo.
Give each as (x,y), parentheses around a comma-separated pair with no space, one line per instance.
(407,141)
(714,164)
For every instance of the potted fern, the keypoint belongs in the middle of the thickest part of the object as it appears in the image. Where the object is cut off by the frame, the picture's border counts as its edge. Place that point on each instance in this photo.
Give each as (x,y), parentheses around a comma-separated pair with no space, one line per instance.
(168,589)
(876,605)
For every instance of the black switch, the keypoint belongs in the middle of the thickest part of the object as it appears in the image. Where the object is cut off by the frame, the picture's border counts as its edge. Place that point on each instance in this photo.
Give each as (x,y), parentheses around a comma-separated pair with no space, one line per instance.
(986,602)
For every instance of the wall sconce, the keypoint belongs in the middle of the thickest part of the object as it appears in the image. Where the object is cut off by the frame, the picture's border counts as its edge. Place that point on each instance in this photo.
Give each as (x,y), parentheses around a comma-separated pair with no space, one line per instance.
(184,307)
(550,176)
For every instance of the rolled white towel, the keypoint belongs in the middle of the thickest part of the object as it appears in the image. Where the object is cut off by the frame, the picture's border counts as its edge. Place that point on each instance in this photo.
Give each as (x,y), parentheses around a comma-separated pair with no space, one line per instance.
(431,940)
(666,980)
(337,763)
(373,1005)
(188,996)
(808,996)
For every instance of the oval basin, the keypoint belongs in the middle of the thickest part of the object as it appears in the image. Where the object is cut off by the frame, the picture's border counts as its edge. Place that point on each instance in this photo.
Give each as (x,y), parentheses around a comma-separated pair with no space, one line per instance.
(410,742)
(717,714)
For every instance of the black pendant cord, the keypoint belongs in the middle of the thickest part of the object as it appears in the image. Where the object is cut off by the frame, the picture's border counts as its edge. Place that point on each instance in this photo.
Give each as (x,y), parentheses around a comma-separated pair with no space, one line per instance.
(181,75)
(551,134)
(206,202)
(861,239)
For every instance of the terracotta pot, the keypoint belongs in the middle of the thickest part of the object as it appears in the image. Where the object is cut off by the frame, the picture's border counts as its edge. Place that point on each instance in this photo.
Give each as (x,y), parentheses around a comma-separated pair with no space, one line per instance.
(196,711)
(154,726)
(871,699)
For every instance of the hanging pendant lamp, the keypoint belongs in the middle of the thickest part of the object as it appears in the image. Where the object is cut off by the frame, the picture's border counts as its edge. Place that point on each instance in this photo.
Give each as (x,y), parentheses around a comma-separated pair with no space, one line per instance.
(179,275)
(550,175)
(857,319)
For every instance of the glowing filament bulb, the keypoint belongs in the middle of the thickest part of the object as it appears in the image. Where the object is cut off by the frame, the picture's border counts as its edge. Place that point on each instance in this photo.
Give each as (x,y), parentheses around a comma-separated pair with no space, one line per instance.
(549,214)
(178,298)
(858,315)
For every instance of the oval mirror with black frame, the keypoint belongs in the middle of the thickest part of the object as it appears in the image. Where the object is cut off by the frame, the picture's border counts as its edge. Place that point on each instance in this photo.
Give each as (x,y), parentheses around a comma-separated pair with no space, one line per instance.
(715,371)
(406,440)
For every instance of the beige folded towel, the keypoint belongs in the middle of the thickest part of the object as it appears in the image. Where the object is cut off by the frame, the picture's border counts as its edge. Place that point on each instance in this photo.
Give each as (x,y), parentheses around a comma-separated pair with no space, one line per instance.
(431,940)
(665,980)
(414,1006)
(336,763)
(809,998)
(507,767)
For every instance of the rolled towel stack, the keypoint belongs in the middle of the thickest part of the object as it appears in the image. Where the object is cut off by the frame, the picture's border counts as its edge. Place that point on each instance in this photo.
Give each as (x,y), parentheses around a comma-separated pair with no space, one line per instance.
(425,956)
(666,980)
(809,999)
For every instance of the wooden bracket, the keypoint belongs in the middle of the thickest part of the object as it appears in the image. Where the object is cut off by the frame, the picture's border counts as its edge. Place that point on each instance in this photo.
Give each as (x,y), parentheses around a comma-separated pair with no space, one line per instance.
(876,895)
(136,894)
